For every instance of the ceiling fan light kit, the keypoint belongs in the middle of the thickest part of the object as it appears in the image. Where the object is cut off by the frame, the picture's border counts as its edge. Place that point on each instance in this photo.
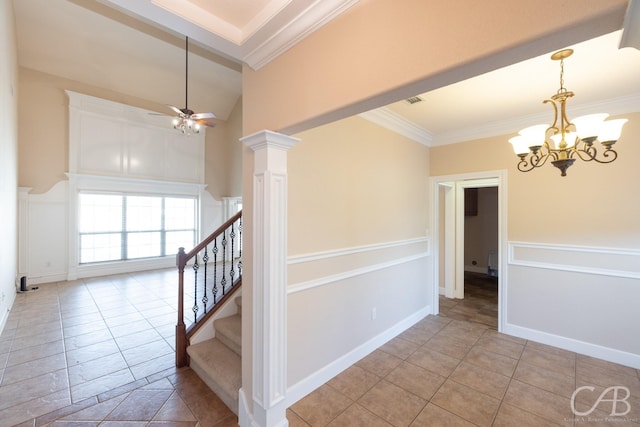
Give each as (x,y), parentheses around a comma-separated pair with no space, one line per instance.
(565,141)
(186,120)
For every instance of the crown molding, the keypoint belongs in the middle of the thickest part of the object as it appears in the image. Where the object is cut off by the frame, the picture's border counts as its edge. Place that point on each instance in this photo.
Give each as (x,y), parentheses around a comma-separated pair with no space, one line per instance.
(614,106)
(313,17)
(397,123)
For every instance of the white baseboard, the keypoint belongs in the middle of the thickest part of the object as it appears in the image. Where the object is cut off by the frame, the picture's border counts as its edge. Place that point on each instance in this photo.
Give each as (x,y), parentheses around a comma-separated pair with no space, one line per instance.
(315,380)
(585,348)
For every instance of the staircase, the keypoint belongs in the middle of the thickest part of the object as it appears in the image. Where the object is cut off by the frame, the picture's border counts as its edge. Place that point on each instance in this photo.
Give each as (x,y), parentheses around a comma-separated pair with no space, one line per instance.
(209,277)
(217,361)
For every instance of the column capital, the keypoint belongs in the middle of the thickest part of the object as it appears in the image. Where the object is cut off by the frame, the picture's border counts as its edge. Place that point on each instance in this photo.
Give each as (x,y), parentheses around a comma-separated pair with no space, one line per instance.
(269,139)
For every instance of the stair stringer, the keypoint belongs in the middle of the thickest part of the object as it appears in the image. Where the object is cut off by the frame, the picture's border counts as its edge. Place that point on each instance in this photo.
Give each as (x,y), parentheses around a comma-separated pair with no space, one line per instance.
(207,331)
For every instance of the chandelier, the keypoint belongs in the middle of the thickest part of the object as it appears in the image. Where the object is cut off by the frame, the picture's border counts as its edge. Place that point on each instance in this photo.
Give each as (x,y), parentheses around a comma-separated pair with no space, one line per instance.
(565,140)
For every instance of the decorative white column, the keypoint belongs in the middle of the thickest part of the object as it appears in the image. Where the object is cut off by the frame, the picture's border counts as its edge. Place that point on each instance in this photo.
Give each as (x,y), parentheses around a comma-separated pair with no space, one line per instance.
(269,287)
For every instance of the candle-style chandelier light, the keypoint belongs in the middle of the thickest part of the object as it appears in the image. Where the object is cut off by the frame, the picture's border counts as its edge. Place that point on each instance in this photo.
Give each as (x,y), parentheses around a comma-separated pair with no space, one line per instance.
(565,140)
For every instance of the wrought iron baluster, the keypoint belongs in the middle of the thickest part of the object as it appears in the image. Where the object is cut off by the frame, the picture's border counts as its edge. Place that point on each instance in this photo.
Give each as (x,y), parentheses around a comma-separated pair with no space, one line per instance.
(215,270)
(240,247)
(195,289)
(232,235)
(223,282)
(205,298)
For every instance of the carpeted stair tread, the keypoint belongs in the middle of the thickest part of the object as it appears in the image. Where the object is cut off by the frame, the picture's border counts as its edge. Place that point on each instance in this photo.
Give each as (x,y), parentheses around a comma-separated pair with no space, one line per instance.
(229,331)
(220,368)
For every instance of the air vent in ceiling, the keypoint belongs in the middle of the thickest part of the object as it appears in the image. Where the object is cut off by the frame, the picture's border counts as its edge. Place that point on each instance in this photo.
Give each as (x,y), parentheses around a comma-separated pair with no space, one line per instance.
(414,100)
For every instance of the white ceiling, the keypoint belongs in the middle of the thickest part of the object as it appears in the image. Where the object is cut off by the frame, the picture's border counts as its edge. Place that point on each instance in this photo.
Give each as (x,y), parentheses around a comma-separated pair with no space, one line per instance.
(137,48)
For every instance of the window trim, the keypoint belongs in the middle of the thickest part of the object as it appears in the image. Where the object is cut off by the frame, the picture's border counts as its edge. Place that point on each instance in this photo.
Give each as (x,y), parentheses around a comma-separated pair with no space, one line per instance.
(109,184)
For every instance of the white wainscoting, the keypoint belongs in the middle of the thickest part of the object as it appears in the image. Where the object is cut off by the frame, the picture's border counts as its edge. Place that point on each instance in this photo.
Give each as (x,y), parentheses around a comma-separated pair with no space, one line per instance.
(337,315)
(118,140)
(580,259)
(583,299)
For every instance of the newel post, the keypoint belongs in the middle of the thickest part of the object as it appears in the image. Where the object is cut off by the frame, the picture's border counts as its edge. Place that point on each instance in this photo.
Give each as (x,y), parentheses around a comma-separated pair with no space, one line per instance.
(181,332)
(269,284)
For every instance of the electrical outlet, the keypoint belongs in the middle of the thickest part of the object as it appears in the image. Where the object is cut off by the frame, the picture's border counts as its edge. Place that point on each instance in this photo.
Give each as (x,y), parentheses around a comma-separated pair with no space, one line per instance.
(373,313)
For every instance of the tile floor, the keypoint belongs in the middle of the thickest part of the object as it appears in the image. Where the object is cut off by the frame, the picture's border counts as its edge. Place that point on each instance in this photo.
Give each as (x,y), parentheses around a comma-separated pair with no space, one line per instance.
(100,352)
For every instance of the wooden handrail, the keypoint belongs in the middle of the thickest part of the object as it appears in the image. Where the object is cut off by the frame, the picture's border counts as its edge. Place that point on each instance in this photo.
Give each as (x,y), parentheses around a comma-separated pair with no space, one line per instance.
(193,252)
(183,334)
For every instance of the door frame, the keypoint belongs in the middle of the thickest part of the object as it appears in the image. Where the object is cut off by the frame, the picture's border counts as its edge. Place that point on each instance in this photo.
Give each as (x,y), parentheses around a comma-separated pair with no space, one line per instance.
(454,241)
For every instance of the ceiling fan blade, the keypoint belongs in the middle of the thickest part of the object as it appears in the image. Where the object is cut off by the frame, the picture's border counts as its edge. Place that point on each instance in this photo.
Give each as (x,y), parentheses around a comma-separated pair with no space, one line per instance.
(176,109)
(205,123)
(198,116)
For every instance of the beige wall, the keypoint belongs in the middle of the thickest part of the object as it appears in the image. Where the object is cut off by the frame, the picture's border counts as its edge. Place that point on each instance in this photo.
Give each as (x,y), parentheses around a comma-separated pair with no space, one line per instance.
(9,91)
(385,50)
(594,205)
(353,183)
(44,135)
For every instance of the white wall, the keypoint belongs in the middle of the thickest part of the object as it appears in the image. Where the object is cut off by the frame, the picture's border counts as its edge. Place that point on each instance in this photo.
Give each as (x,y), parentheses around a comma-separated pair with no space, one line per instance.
(8,159)
(579,298)
(366,296)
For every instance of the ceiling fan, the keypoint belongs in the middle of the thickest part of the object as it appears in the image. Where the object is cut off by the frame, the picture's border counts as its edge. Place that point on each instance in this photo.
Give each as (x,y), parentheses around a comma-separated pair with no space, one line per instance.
(188,121)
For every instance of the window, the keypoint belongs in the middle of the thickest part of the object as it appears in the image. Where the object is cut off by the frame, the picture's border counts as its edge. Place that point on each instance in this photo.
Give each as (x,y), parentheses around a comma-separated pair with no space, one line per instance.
(116,227)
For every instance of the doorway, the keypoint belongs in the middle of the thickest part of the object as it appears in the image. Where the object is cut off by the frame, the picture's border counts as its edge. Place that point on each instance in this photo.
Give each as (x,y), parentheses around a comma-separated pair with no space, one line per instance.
(449,236)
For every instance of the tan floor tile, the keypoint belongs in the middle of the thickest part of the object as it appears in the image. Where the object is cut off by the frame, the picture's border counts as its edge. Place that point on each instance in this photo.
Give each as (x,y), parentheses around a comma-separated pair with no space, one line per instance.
(140,405)
(294,420)
(25,330)
(545,379)
(34,368)
(560,364)
(85,340)
(480,379)
(393,404)
(495,334)
(151,367)
(585,361)
(35,352)
(34,408)
(130,328)
(174,409)
(416,380)
(596,375)
(33,388)
(357,416)
(434,361)
(84,328)
(100,385)
(353,382)
(36,340)
(416,335)
(501,346)
(321,406)
(92,352)
(449,346)
(399,347)
(96,411)
(130,341)
(96,368)
(140,353)
(510,416)
(547,349)
(434,416)
(550,406)
(467,403)
(492,361)
(379,363)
